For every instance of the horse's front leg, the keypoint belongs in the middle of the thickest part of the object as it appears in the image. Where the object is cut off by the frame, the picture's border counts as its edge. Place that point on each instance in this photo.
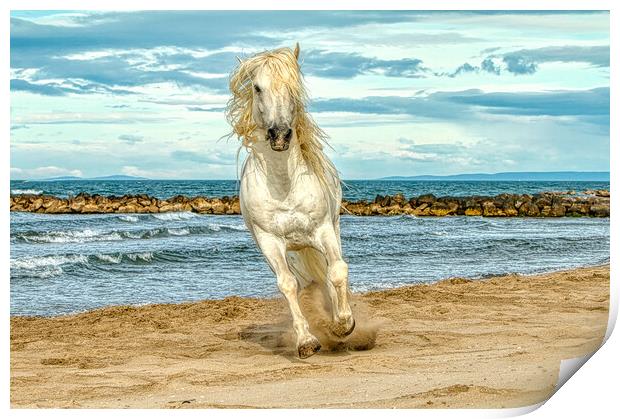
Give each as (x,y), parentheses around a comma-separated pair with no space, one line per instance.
(338,278)
(274,250)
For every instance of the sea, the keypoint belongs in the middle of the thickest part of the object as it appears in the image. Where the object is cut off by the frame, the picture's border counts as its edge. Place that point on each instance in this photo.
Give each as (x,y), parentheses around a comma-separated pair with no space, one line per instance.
(63,264)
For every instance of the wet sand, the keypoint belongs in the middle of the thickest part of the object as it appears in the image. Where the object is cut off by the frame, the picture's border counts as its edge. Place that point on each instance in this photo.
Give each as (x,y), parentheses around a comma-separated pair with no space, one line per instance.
(457,343)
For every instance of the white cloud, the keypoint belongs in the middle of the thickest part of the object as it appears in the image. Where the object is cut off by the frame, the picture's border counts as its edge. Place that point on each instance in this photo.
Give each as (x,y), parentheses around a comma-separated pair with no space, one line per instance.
(43,172)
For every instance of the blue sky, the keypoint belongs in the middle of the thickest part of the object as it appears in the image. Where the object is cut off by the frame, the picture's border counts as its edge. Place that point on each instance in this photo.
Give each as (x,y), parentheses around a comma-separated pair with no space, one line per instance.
(399,93)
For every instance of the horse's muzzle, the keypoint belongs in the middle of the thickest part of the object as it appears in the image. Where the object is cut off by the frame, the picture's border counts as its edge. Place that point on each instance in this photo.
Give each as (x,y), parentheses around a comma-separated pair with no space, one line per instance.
(279,144)
(279,139)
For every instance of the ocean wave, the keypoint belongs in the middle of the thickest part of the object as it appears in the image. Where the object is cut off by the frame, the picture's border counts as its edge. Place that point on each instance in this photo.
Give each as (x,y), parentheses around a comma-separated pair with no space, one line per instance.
(25,192)
(129,218)
(115,259)
(178,231)
(37,262)
(48,266)
(140,257)
(174,216)
(95,235)
(43,266)
(74,236)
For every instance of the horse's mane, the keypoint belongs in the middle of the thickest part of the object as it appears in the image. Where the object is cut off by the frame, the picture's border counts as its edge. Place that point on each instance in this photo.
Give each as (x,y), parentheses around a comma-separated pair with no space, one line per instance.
(286,72)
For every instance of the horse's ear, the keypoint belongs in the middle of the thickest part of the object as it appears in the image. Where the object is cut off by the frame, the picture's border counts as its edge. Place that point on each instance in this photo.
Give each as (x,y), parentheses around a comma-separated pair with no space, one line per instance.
(296,52)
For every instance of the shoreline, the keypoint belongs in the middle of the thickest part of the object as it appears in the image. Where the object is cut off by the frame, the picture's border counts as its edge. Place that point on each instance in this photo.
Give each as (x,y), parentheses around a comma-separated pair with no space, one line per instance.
(545,204)
(455,343)
(548,271)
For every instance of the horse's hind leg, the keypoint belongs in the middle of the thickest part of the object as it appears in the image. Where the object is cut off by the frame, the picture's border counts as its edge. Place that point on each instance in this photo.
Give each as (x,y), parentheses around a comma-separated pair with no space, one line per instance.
(274,250)
(338,280)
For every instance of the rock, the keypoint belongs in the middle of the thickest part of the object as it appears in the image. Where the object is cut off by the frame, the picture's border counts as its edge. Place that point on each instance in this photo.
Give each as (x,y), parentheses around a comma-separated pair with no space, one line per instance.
(509,210)
(89,208)
(218,207)
(399,199)
(558,210)
(76,206)
(602,193)
(441,209)
(236,208)
(36,204)
(490,210)
(578,210)
(427,199)
(529,209)
(386,201)
(200,204)
(474,211)
(599,210)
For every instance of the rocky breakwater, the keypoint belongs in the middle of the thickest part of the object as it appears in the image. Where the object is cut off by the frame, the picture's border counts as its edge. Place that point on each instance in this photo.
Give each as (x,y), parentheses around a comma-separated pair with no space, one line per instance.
(97,204)
(546,204)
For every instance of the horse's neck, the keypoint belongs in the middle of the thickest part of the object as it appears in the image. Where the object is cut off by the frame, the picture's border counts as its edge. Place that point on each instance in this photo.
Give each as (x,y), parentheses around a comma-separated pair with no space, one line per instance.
(280,168)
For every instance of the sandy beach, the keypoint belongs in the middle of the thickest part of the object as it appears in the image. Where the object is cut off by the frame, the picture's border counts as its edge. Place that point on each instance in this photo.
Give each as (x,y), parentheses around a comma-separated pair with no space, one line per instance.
(457,343)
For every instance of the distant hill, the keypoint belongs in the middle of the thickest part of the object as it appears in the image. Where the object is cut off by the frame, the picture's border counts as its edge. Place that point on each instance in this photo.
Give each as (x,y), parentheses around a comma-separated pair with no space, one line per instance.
(119,177)
(111,177)
(514,176)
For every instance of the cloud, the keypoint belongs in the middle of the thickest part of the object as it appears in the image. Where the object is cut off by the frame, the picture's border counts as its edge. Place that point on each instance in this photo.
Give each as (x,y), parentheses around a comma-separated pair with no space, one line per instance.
(43,172)
(597,56)
(420,106)
(594,102)
(210,158)
(18,85)
(489,66)
(462,69)
(463,105)
(526,61)
(202,109)
(130,138)
(518,64)
(201,29)
(70,118)
(57,89)
(341,65)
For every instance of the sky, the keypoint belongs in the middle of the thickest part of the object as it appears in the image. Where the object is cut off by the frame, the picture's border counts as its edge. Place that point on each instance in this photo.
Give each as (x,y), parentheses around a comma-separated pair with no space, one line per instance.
(399,93)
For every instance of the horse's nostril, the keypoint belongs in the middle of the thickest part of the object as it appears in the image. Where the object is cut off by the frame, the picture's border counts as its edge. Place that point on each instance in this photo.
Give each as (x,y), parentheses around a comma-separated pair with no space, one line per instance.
(271,133)
(288,134)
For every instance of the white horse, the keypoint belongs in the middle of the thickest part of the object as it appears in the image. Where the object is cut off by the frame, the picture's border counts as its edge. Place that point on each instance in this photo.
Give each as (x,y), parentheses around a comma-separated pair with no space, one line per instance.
(290,191)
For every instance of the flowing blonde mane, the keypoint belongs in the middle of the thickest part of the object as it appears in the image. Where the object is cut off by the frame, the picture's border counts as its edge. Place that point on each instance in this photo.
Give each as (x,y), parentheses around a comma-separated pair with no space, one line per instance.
(285,69)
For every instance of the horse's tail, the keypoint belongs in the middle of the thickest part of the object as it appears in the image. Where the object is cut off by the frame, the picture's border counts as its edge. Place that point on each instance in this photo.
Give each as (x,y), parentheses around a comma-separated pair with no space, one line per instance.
(307,265)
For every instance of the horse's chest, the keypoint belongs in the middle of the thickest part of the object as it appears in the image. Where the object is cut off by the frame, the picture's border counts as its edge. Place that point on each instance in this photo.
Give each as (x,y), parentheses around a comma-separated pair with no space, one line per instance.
(295,221)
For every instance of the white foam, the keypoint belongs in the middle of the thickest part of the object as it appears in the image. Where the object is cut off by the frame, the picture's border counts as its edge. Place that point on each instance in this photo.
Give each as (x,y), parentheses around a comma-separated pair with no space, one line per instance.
(76,236)
(36,263)
(237,228)
(110,258)
(128,218)
(130,235)
(174,216)
(144,256)
(25,192)
(178,231)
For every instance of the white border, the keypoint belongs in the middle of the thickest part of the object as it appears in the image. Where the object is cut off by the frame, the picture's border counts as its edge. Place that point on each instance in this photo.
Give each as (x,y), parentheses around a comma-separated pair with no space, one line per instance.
(593,392)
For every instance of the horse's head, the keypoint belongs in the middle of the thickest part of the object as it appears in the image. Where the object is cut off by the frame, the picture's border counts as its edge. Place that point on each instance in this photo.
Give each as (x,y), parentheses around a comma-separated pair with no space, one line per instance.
(274,86)
(275,95)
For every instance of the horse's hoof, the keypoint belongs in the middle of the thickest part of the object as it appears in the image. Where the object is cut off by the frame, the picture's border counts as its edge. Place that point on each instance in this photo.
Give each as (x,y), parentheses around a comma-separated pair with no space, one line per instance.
(340,331)
(348,332)
(306,350)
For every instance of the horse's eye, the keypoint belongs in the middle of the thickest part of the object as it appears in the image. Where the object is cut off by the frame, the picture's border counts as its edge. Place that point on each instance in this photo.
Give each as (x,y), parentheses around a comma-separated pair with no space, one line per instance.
(257,89)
